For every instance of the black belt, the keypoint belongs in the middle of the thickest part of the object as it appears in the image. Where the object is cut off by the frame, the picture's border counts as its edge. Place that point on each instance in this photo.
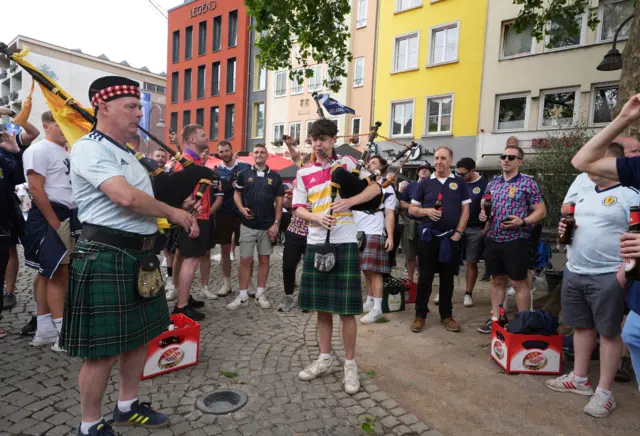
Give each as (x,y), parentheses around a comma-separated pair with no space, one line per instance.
(116,238)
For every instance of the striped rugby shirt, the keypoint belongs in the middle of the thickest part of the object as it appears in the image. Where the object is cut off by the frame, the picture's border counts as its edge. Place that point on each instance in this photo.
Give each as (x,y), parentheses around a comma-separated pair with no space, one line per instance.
(312,186)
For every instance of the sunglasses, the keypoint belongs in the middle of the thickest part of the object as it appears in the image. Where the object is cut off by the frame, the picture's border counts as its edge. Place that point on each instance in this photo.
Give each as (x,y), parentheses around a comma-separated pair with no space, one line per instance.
(461,174)
(508,156)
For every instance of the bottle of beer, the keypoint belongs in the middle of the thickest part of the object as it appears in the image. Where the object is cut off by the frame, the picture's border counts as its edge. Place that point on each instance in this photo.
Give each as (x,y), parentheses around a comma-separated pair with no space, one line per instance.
(570,222)
(502,321)
(487,205)
(438,204)
(631,266)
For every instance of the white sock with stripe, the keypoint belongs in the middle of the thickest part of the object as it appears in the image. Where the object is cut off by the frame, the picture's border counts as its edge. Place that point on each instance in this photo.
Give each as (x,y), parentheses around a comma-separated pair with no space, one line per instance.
(85,426)
(125,406)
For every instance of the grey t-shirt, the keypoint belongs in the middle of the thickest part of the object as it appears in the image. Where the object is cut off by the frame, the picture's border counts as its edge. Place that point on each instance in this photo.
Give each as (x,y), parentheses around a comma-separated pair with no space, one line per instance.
(95,159)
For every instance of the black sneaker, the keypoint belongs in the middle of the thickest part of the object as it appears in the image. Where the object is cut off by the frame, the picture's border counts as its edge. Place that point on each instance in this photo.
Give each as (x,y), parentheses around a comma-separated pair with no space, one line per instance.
(140,414)
(189,312)
(9,301)
(486,327)
(30,328)
(625,373)
(485,278)
(103,428)
(195,303)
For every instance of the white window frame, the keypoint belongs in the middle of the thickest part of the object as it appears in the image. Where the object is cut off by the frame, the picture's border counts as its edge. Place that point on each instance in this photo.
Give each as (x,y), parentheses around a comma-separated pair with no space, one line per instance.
(576,107)
(432,40)
(317,72)
(297,89)
(426,115)
(394,102)
(307,125)
(254,129)
(502,43)
(592,101)
(294,123)
(361,21)
(527,110)
(583,36)
(601,17)
(355,69)
(275,88)
(273,131)
(257,85)
(397,38)
(353,120)
(415,4)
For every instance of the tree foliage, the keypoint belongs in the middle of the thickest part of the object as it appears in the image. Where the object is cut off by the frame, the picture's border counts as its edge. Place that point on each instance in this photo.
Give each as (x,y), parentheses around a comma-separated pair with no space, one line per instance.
(316,29)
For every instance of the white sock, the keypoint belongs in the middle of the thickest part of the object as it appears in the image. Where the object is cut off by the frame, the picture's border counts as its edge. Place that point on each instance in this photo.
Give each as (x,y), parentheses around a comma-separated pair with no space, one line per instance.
(244,294)
(325,356)
(369,298)
(580,379)
(259,292)
(604,391)
(85,426)
(377,303)
(349,362)
(125,406)
(45,323)
(58,324)
(494,318)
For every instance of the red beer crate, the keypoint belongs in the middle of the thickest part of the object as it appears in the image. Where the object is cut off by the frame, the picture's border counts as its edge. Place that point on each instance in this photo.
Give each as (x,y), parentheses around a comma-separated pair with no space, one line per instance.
(411,293)
(173,349)
(528,354)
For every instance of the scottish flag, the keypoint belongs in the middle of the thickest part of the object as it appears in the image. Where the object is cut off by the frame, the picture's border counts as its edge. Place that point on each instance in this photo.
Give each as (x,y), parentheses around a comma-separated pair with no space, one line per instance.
(334,107)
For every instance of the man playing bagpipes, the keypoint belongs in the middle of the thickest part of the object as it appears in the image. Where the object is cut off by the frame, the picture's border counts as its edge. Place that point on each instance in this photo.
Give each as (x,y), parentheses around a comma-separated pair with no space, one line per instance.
(330,281)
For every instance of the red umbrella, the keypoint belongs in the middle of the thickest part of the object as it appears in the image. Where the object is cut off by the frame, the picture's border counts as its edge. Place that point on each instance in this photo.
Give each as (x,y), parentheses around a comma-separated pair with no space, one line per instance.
(275,163)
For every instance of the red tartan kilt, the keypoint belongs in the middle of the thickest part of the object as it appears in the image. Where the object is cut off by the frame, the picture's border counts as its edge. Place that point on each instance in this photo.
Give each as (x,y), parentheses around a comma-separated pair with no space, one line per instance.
(374,257)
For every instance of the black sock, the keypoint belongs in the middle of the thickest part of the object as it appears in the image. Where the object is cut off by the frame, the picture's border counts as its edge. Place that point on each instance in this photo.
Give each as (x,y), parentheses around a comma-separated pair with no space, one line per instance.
(170,271)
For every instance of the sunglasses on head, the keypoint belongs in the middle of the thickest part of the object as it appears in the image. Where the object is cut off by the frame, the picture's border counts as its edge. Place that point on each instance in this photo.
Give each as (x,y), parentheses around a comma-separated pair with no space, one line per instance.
(508,156)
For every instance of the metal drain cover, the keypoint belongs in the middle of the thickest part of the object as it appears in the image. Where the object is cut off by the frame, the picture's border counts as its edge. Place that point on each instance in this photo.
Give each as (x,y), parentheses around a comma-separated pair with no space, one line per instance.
(222,401)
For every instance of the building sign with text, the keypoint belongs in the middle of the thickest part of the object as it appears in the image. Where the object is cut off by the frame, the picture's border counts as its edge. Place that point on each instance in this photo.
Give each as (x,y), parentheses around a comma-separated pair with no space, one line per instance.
(203,8)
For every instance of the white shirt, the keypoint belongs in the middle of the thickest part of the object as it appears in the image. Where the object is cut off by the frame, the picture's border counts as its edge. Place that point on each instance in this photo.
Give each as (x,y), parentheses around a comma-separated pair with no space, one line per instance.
(373,223)
(52,162)
(580,183)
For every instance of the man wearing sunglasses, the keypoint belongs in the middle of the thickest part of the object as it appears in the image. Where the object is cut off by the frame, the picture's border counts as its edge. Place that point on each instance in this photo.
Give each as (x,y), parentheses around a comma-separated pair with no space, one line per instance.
(516,204)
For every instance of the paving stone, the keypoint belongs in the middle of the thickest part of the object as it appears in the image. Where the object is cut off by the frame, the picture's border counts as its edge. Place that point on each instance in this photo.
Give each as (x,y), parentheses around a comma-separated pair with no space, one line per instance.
(60,430)
(408,419)
(22,425)
(431,433)
(401,430)
(419,427)
(389,422)
(39,429)
(398,411)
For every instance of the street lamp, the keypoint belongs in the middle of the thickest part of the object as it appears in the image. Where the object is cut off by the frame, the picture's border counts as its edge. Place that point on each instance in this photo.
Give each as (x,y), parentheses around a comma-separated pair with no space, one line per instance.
(160,122)
(613,59)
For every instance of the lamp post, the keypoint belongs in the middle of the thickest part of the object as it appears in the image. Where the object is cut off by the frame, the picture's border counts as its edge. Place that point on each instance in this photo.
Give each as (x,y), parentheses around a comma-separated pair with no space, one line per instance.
(613,59)
(160,122)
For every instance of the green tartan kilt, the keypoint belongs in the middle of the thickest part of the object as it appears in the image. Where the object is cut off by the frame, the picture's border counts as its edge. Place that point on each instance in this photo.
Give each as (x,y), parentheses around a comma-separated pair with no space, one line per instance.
(103,312)
(337,291)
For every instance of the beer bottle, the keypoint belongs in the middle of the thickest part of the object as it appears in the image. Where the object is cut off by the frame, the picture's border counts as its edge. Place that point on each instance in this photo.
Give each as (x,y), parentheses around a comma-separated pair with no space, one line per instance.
(487,205)
(631,267)
(502,321)
(438,204)
(570,222)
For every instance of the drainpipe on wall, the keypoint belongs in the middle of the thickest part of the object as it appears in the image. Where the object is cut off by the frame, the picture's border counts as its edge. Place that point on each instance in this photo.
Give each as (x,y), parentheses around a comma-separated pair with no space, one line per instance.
(375,54)
(248,102)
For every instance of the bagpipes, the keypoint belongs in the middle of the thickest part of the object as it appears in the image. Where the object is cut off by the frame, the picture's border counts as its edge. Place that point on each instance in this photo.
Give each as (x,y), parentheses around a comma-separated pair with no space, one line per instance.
(172,188)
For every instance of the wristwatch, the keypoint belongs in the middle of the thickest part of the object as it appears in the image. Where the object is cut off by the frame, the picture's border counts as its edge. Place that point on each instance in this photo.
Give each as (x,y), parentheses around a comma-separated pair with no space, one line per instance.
(458,231)
(524,223)
(276,222)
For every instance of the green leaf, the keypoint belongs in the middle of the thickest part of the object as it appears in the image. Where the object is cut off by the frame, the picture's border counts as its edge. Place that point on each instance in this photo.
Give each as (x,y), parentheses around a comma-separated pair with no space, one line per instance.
(369,427)
(371,373)
(228,374)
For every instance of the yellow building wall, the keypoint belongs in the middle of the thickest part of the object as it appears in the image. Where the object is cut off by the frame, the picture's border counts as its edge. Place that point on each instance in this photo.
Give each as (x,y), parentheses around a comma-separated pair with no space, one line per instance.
(462,78)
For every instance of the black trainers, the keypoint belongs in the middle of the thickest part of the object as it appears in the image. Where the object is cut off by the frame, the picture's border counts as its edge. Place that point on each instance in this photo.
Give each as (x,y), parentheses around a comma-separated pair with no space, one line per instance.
(30,328)
(101,429)
(140,414)
(195,303)
(625,373)
(486,327)
(9,301)
(189,312)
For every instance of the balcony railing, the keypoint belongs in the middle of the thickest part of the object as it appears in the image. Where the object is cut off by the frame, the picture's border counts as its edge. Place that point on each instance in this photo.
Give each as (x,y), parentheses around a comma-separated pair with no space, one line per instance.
(14,96)
(13,67)
(3,73)
(4,100)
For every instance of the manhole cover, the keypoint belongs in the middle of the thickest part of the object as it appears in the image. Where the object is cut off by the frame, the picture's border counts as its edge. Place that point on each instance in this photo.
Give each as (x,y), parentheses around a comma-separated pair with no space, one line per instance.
(222,401)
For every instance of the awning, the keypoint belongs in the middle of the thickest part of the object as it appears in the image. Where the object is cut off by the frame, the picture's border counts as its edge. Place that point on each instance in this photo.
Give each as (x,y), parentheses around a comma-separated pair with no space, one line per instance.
(489,162)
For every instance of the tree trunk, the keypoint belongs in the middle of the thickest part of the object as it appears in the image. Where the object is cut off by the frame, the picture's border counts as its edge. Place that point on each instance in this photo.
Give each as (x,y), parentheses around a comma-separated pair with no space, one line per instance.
(630,75)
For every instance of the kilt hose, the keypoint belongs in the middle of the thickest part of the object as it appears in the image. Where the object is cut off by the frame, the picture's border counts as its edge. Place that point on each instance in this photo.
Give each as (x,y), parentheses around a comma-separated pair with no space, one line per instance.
(374,257)
(103,313)
(337,291)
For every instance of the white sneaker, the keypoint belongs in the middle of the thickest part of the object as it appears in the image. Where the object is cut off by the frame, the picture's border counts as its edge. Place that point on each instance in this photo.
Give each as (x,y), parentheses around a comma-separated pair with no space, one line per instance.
(372,317)
(351,382)
(225,289)
(367,306)
(600,405)
(206,293)
(252,292)
(44,338)
(568,383)
(262,301)
(468,300)
(318,367)
(232,256)
(237,303)
(171,293)
(57,348)
(511,292)
(436,299)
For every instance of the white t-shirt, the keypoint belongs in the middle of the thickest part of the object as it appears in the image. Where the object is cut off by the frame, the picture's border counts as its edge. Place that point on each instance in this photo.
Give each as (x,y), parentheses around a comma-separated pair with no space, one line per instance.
(52,162)
(373,223)
(580,183)
(601,217)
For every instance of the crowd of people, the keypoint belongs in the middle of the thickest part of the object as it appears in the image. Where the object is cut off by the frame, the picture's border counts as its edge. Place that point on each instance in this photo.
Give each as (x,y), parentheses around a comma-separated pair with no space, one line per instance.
(92,235)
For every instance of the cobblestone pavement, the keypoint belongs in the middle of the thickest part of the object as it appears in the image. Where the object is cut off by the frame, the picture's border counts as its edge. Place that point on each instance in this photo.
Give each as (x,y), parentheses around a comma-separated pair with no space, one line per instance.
(39,392)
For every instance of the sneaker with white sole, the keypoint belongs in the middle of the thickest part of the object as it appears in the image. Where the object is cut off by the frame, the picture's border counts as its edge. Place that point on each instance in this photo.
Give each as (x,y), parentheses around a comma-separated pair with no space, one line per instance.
(317,368)
(568,383)
(436,299)
(600,405)
(468,300)
(171,292)
(225,289)
(263,302)
(351,381)
(367,306)
(57,348)
(252,292)
(238,302)
(511,291)
(44,338)
(208,294)
(372,317)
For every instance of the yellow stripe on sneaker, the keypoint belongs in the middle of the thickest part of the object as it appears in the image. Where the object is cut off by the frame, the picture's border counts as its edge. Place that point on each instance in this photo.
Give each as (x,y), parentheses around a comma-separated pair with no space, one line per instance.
(144,421)
(139,419)
(135,415)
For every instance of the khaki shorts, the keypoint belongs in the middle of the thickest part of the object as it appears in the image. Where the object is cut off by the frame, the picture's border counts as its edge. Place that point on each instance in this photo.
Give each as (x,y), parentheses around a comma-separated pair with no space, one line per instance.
(249,238)
(410,246)
(64,231)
